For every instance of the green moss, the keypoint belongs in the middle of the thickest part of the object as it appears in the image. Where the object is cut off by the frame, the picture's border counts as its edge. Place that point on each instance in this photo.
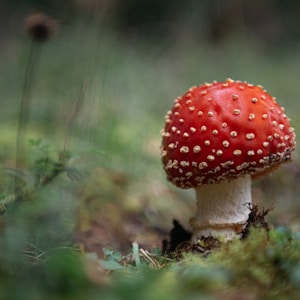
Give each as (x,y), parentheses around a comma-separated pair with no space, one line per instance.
(265,264)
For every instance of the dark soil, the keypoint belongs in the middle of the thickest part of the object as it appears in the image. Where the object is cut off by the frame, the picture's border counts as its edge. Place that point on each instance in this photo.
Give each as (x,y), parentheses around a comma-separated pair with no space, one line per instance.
(180,242)
(178,236)
(256,218)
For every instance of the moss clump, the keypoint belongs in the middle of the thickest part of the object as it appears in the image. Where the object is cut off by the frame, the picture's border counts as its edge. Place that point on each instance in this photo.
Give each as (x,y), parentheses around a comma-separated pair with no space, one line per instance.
(266,264)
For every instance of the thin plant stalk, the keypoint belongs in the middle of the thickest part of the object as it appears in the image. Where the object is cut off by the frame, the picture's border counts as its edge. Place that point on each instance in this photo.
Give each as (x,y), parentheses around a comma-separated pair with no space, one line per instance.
(25,105)
(74,115)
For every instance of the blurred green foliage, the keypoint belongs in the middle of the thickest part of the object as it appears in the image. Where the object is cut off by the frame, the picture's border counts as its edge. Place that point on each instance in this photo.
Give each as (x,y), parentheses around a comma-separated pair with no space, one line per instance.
(270,272)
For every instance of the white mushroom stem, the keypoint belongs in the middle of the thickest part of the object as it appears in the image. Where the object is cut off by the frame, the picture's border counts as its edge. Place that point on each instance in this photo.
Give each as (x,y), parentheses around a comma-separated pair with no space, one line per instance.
(222,209)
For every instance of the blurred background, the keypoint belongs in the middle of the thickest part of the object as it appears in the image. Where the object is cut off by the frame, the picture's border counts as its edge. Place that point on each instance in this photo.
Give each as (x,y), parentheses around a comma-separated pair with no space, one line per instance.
(102,85)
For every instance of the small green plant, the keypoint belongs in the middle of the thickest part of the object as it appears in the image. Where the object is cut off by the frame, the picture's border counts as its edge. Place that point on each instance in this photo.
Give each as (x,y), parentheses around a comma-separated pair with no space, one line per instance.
(43,171)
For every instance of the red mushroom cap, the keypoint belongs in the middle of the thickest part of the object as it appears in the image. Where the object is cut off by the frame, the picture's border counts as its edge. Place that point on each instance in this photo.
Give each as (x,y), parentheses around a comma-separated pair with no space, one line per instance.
(220,131)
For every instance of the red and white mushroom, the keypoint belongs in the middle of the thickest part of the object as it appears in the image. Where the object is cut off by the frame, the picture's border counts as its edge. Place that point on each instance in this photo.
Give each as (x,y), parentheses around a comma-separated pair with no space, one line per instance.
(216,138)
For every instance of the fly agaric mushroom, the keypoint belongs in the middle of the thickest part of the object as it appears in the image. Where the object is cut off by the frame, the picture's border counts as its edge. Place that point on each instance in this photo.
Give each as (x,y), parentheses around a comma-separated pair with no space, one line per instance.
(217,137)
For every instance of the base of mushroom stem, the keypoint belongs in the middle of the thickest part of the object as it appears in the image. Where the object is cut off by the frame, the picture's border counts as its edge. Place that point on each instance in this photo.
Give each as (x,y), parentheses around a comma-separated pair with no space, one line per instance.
(222,209)
(227,232)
